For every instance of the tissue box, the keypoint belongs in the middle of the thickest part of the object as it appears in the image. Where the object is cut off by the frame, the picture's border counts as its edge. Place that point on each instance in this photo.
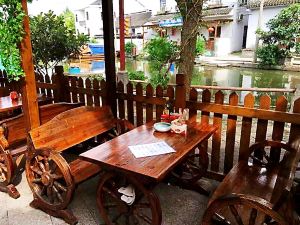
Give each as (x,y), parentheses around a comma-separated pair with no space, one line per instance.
(178,128)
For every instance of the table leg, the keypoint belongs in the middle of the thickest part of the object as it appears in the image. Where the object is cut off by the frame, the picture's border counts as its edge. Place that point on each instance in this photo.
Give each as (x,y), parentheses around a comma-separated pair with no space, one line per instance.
(145,209)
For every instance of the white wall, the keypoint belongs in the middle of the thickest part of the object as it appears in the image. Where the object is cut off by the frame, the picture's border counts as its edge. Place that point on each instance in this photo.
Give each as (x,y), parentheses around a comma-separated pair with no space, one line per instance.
(268,14)
(95,23)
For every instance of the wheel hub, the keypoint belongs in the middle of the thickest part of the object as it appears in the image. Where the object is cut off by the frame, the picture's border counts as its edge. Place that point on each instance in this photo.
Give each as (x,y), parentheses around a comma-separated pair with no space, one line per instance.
(47,179)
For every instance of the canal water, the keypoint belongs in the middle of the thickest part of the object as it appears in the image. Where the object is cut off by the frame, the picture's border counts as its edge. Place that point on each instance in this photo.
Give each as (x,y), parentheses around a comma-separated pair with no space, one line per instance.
(215,76)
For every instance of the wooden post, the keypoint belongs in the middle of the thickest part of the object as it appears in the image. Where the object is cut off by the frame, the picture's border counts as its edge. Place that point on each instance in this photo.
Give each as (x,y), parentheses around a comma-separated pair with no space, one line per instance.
(109,53)
(29,95)
(60,82)
(180,92)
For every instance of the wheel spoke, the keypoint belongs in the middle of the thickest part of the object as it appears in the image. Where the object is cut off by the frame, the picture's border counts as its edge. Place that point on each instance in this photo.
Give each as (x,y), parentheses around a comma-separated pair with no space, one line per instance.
(37,180)
(57,194)
(236,215)
(46,162)
(253,216)
(60,186)
(42,166)
(50,194)
(36,170)
(145,218)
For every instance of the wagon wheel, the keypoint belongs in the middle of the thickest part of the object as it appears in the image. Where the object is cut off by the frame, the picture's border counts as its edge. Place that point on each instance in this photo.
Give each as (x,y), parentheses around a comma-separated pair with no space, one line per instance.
(192,168)
(241,210)
(6,167)
(49,178)
(144,210)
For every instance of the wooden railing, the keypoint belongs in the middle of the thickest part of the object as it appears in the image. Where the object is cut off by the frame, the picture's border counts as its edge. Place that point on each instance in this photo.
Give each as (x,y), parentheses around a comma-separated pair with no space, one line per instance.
(239,125)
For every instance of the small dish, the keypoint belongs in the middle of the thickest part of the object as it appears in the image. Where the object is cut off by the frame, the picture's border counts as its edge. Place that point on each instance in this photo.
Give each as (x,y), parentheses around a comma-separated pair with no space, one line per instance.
(162,127)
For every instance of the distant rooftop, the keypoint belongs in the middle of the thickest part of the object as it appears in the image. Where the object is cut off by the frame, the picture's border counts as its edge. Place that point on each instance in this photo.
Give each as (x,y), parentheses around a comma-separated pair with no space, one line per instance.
(137,19)
(252,4)
(216,11)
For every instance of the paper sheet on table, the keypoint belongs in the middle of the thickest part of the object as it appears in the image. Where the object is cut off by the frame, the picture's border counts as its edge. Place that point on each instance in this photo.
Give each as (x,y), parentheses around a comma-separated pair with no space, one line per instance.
(158,148)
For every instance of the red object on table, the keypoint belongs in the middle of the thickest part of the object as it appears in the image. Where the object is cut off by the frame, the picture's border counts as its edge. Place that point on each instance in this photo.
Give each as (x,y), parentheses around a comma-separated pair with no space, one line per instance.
(14,95)
(168,118)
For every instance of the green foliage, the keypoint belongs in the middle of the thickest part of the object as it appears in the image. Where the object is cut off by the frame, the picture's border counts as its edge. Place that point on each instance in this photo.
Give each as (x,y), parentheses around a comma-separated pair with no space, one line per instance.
(129,47)
(52,41)
(11,33)
(270,55)
(200,46)
(283,31)
(159,79)
(93,40)
(69,19)
(136,75)
(160,49)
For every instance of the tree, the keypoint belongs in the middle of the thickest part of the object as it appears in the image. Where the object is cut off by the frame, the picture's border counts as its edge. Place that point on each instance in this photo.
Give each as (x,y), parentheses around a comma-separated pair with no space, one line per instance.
(191,12)
(69,19)
(52,41)
(283,31)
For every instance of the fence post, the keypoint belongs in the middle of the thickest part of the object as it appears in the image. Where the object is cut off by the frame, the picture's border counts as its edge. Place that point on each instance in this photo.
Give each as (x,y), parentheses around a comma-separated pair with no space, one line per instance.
(60,82)
(180,92)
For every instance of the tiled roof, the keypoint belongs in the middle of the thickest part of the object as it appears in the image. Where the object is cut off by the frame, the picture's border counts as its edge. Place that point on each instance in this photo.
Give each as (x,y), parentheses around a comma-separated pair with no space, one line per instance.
(216,11)
(161,17)
(97,2)
(269,3)
(136,19)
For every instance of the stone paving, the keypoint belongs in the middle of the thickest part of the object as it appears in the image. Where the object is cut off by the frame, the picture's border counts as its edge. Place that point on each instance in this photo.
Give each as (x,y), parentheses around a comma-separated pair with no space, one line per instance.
(179,207)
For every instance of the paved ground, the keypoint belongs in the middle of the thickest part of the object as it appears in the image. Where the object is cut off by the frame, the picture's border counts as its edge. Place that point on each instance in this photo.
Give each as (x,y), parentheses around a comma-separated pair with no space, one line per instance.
(180,207)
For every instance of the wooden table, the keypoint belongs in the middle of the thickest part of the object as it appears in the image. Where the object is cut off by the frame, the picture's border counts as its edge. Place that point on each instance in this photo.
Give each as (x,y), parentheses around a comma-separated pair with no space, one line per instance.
(6,104)
(121,169)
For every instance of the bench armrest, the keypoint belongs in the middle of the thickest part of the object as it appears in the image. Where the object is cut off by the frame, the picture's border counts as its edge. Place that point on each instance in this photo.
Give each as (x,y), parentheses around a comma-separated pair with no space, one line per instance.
(272,144)
(123,126)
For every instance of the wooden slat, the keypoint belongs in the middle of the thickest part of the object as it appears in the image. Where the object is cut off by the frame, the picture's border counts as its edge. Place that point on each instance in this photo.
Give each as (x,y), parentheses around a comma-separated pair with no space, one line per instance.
(143,99)
(278,127)
(230,135)
(46,86)
(121,106)
(68,92)
(149,107)
(96,87)
(48,91)
(216,140)
(262,125)
(139,105)
(74,92)
(89,95)
(130,110)
(192,110)
(103,90)
(65,130)
(159,108)
(295,127)
(206,96)
(246,129)
(42,80)
(80,85)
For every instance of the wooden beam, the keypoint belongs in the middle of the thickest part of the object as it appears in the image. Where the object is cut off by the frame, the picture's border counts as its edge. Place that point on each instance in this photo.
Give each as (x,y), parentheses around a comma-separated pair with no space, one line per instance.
(109,53)
(29,95)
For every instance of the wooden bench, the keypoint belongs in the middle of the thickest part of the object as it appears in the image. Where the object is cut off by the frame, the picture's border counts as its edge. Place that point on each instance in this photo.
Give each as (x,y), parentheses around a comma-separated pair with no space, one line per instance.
(257,191)
(13,144)
(51,178)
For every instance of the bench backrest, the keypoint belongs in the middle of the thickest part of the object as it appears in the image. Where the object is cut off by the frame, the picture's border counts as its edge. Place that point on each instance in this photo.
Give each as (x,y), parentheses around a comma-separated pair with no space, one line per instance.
(14,128)
(72,127)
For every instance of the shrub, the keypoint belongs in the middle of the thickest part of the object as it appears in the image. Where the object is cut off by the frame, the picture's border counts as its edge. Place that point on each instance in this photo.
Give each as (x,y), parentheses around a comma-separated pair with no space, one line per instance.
(270,55)
(136,75)
(160,49)
(200,46)
(129,47)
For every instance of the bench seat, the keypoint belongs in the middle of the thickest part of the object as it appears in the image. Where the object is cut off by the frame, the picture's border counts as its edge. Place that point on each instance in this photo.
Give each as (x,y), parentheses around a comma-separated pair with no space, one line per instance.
(251,180)
(81,170)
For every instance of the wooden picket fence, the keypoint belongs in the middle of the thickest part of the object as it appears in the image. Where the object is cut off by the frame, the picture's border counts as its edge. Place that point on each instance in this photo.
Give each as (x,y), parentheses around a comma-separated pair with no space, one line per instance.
(238,125)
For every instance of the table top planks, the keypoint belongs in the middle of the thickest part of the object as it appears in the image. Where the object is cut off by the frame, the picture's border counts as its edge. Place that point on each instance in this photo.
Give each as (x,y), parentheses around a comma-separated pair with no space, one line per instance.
(116,155)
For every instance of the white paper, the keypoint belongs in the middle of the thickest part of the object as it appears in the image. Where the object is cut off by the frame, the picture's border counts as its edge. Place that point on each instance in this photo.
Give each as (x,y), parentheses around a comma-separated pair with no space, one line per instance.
(158,148)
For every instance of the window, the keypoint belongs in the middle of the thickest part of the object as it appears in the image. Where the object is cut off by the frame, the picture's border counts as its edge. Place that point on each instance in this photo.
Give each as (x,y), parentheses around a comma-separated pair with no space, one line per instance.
(133,30)
(76,18)
(87,15)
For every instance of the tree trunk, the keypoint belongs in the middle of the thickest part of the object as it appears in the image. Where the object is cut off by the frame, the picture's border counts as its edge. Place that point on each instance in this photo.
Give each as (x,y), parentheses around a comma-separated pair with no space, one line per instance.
(191,15)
